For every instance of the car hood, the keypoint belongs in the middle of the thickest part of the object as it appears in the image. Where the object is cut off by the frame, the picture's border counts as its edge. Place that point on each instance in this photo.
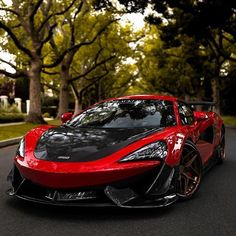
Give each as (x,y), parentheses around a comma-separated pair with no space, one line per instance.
(65,144)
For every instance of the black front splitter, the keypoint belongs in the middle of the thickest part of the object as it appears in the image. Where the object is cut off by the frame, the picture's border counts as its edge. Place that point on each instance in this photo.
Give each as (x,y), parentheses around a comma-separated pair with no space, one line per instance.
(138,203)
(127,198)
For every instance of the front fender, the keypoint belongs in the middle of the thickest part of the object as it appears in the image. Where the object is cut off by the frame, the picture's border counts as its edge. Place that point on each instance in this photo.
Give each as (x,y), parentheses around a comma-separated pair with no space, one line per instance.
(175,144)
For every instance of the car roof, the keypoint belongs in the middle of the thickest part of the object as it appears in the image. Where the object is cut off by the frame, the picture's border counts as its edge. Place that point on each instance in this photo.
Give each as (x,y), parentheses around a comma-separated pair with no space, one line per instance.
(146,96)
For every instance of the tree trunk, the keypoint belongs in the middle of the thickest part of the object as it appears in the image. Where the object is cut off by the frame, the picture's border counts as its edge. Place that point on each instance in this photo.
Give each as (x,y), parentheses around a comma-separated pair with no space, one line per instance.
(35,112)
(216,94)
(65,78)
(64,92)
(78,107)
(187,97)
(199,98)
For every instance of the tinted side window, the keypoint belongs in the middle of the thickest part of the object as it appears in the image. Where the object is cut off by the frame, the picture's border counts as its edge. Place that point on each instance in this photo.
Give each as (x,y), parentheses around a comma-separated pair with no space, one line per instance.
(186,114)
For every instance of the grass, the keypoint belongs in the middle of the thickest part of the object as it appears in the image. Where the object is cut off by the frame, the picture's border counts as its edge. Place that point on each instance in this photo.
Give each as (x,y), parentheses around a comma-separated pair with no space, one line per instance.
(229,120)
(13,131)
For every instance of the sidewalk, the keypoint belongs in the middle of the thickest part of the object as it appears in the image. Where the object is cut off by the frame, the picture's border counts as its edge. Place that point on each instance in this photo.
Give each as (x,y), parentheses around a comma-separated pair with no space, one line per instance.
(20,123)
(9,142)
(10,124)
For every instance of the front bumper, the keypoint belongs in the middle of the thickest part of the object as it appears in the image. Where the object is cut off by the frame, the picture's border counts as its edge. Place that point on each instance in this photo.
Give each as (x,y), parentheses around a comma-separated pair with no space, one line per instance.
(155,188)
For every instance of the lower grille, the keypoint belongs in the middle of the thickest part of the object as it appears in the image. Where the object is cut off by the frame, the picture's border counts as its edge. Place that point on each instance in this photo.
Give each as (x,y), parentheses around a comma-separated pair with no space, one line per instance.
(72,196)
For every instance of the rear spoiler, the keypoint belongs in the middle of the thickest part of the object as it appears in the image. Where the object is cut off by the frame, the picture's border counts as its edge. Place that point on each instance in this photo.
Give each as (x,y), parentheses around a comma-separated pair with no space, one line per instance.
(202,105)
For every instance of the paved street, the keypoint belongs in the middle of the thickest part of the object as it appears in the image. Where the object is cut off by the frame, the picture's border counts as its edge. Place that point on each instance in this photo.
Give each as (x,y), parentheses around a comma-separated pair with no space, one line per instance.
(211,212)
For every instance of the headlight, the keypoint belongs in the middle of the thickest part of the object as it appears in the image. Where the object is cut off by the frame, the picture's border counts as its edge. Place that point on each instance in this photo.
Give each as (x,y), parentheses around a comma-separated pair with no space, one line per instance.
(21,148)
(157,150)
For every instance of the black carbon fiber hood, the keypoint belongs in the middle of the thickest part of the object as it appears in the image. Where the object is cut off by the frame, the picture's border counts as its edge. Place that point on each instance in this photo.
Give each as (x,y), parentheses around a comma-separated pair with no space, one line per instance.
(64,144)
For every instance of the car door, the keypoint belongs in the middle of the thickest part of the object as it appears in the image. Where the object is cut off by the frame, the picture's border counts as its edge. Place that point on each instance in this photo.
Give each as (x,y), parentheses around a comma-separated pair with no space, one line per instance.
(202,132)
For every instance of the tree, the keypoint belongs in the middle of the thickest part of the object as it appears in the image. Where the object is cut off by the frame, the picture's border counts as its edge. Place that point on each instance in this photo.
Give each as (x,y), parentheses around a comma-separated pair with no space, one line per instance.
(74,67)
(28,26)
(211,24)
(105,62)
(6,86)
(176,70)
(92,52)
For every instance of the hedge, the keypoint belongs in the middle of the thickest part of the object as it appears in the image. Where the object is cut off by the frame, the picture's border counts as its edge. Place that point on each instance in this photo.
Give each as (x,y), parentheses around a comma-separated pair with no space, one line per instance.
(11,117)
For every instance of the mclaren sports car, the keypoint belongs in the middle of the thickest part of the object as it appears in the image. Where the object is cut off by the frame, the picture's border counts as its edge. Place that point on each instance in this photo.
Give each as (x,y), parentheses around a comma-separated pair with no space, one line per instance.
(135,152)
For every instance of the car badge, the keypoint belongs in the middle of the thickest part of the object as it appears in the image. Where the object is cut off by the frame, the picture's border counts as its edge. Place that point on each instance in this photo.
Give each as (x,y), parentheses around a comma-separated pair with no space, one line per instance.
(63,157)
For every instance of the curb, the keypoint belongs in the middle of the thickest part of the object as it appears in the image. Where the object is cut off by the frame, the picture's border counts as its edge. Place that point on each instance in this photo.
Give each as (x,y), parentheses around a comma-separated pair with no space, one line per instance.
(9,142)
(20,123)
(11,124)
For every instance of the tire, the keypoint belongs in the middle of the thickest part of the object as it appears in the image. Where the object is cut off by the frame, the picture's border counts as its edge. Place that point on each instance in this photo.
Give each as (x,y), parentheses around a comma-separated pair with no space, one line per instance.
(190,172)
(221,148)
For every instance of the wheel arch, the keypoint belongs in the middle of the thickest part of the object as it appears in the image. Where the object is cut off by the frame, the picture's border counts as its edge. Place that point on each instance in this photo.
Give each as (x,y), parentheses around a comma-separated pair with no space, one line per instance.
(189,139)
(196,171)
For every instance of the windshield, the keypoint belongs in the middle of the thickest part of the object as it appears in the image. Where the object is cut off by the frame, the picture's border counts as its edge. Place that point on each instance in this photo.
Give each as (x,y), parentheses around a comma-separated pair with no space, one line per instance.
(127,114)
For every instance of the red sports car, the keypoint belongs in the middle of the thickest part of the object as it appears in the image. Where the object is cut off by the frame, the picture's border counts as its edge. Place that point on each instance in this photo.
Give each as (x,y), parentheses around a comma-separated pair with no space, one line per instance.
(134,151)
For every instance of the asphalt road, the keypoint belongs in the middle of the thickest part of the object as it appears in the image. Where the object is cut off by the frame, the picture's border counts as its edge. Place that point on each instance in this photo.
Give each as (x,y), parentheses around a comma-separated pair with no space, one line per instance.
(211,212)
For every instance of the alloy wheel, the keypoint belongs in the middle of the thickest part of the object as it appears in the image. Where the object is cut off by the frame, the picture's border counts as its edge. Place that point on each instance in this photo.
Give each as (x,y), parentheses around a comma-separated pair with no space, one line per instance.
(190,172)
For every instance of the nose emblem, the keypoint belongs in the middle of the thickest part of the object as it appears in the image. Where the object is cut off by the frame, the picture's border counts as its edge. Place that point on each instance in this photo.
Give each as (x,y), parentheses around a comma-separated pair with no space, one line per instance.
(63,157)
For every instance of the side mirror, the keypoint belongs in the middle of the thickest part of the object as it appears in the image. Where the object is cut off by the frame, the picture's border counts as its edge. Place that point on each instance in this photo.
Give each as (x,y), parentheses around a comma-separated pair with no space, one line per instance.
(200,115)
(66,116)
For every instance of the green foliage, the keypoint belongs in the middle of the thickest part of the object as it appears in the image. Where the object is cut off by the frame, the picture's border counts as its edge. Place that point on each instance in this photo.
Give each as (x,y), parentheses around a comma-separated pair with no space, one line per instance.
(11,117)
(229,120)
(49,101)
(89,40)
(6,86)
(194,50)
(180,54)
(167,71)
(10,109)
(46,115)
(51,110)
(10,114)
(111,45)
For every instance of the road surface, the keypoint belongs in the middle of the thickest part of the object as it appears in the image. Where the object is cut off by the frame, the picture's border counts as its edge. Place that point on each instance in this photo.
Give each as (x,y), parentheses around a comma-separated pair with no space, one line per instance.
(211,212)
